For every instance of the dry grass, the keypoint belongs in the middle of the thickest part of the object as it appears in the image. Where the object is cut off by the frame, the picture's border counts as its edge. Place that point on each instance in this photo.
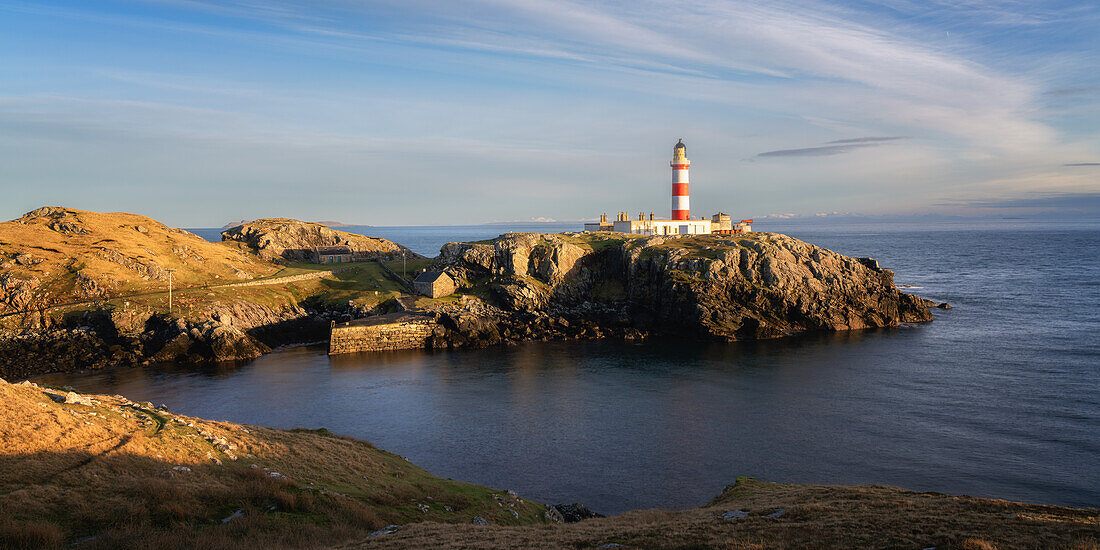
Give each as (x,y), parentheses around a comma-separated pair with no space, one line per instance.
(103,476)
(871,516)
(115,250)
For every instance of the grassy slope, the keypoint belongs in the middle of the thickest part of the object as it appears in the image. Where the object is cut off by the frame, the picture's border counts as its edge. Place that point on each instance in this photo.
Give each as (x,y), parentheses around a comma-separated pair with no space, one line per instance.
(862,516)
(363,283)
(196,282)
(71,472)
(127,239)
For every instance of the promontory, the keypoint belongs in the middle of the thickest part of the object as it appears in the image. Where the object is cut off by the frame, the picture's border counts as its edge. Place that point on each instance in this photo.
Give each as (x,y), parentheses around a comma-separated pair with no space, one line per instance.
(82,289)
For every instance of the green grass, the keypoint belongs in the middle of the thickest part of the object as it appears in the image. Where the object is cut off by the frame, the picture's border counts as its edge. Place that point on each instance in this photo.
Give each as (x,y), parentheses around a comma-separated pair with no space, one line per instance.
(699,246)
(412,266)
(363,283)
(609,290)
(598,241)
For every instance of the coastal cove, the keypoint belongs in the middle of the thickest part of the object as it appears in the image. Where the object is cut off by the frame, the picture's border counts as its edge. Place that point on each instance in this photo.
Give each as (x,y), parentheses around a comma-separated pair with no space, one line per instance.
(997,397)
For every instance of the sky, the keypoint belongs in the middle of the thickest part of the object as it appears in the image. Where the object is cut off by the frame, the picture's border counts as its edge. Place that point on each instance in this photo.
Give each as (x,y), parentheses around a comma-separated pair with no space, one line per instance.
(412,112)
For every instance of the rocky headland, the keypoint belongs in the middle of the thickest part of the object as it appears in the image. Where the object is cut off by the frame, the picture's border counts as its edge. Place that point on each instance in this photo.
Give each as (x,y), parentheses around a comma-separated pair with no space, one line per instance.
(595,285)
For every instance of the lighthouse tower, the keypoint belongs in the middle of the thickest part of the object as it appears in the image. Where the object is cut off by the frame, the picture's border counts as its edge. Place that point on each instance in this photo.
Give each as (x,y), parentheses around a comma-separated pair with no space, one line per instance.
(680,164)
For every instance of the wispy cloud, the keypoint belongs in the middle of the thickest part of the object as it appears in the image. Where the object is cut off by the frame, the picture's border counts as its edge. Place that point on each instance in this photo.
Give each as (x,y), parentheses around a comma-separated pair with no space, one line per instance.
(870,65)
(874,140)
(835,147)
(1082,164)
(823,151)
(1071,91)
(1082,202)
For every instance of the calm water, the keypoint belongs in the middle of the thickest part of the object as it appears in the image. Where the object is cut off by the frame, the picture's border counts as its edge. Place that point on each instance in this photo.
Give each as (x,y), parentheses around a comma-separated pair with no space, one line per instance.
(998,397)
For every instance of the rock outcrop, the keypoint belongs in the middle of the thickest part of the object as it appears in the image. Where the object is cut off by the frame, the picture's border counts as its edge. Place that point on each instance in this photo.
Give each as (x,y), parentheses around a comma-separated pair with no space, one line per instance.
(101,338)
(760,285)
(282,238)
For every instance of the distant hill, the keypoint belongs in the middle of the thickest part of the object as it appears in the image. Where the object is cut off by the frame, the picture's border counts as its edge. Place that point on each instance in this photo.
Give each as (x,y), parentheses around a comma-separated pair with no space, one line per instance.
(326,223)
(294,240)
(56,255)
(330,223)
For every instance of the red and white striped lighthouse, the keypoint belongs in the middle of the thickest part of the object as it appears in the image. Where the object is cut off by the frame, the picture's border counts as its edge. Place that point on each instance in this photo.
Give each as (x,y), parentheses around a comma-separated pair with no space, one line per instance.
(680,164)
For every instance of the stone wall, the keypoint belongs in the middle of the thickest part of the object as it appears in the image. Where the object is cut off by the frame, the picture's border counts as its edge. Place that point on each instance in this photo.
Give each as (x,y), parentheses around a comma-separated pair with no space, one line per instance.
(284,280)
(389,332)
(400,280)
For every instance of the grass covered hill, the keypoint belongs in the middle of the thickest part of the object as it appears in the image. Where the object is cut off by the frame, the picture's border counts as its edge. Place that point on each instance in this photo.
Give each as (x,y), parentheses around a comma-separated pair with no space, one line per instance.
(55,255)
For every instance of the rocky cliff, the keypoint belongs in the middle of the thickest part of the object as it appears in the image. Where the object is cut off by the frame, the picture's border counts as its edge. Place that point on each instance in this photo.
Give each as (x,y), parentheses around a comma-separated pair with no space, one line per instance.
(281,238)
(107,336)
(760,285)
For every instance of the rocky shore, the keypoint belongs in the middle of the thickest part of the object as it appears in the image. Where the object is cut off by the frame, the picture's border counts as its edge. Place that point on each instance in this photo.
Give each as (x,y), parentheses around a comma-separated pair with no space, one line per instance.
(98,338)
(522,287)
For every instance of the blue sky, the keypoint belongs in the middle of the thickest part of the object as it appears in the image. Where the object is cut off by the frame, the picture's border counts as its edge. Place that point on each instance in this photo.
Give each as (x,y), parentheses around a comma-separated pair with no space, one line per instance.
(411,113)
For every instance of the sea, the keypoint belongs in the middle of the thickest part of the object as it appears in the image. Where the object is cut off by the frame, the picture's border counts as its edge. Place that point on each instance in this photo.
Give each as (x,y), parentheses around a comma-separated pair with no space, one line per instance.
(998,397)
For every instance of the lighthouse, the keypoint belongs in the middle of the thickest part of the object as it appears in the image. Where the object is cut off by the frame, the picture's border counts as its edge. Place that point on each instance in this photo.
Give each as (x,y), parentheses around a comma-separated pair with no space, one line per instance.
(680,164)
(681,222)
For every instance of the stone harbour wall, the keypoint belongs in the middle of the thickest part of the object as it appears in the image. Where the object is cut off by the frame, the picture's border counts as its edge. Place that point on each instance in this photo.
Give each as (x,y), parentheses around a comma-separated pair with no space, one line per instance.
(394,331)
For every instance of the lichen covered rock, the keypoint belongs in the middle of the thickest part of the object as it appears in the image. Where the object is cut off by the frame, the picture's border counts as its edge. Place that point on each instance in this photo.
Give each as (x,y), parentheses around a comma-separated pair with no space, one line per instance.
(760,285)
(282,238)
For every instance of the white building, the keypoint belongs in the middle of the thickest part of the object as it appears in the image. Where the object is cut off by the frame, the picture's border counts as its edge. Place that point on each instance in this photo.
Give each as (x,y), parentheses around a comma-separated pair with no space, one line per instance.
(719,223)
(663,227)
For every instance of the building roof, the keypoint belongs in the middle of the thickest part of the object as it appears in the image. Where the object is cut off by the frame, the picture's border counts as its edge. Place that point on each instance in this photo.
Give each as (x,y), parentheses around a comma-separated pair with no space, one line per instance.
(332,250)
(429,277)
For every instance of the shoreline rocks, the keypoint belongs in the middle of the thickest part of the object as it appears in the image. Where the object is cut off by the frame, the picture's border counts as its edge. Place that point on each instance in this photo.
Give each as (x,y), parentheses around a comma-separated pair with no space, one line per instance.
(104,338)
